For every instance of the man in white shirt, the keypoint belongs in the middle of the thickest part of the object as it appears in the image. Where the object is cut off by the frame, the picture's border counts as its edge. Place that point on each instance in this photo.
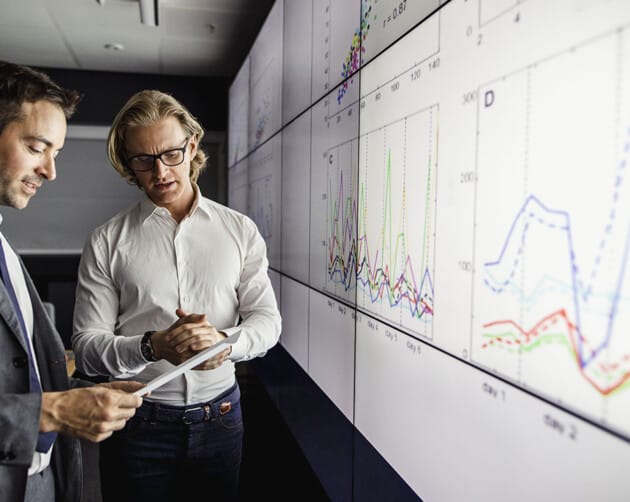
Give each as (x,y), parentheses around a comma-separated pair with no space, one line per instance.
(159,282)
(41,416)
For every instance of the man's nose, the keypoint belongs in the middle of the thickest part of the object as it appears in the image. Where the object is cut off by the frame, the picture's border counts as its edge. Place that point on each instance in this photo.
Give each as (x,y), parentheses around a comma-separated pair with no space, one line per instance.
(159,168)
(47,169)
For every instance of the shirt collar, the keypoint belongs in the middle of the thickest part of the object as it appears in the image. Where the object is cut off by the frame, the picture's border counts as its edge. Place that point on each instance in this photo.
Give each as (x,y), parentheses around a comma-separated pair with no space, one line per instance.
(202,204)
(148,208)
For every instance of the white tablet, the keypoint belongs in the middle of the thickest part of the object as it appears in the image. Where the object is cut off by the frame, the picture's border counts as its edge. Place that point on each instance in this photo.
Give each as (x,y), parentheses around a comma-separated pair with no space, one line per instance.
(198,358)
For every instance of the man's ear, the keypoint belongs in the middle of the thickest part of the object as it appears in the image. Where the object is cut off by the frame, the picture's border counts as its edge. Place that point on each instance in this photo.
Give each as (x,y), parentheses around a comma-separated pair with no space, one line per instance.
(194,144)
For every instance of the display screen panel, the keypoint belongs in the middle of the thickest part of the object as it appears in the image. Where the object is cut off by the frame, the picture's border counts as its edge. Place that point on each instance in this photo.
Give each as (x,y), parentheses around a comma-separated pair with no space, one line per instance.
(455,217)
(265,80)
(238,115)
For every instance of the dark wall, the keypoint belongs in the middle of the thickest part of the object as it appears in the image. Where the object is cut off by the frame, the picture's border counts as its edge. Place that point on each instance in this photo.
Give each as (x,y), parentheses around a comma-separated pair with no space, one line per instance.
(55,278)
(104,93)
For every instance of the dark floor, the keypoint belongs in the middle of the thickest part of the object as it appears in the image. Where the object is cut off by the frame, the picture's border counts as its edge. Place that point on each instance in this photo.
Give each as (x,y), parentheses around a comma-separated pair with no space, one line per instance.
(273,468)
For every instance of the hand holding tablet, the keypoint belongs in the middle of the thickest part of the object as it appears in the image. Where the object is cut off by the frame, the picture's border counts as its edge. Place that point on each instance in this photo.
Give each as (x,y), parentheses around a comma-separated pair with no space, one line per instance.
(198,358)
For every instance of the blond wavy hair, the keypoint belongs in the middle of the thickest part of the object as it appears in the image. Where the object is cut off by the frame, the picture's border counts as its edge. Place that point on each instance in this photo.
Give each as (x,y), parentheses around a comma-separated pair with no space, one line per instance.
(144,109)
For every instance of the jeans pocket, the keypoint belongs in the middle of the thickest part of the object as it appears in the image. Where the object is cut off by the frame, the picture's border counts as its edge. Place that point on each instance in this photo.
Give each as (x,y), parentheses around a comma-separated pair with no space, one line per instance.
(233,418)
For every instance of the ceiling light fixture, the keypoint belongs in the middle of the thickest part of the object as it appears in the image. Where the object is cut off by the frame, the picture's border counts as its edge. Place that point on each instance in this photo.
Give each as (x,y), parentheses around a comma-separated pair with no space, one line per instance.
(114,47)
(148,12)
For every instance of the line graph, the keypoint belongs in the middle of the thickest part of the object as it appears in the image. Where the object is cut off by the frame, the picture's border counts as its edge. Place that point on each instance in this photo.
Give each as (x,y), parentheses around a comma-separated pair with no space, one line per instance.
(396,219)
(341,246)
(557,327)
(551,291)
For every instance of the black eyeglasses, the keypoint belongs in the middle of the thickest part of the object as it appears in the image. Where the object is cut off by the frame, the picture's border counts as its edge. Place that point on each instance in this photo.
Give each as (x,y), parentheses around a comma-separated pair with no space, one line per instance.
(146,161)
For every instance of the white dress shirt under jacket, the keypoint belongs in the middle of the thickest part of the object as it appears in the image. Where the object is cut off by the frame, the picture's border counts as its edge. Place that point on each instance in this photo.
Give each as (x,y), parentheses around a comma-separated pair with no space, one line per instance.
(141,265)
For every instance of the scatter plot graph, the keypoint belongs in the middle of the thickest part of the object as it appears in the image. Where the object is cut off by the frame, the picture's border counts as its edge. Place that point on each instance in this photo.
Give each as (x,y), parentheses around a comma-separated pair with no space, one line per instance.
(336,47)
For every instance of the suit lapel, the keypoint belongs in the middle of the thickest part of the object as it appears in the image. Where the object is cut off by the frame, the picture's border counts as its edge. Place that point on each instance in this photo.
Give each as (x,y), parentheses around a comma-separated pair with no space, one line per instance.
(7,313)
(49,349)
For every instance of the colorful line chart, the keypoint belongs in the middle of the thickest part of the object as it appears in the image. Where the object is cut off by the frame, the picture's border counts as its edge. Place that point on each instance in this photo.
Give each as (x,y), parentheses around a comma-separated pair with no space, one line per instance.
(396,221)
(551,296)
(443,188)
(341,246)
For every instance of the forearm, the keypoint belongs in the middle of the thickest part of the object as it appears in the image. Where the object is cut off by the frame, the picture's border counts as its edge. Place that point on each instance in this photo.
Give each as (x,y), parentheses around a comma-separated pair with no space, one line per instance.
(108,354)
(260,331)
(257,307)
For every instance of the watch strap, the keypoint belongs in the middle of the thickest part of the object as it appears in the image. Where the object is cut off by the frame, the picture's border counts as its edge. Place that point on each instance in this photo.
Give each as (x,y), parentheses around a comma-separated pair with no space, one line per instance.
(146,347)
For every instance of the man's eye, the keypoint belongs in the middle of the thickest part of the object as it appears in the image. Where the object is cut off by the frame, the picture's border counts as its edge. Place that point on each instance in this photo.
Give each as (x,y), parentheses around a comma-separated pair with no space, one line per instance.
(171,154)
(34,150)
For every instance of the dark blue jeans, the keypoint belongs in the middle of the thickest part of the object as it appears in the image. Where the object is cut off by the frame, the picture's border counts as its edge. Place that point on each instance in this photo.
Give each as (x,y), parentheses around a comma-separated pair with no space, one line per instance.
(167,453)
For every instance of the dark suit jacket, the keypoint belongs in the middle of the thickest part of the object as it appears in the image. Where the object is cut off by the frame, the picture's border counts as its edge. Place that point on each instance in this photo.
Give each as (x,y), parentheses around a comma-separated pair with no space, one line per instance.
(20,410)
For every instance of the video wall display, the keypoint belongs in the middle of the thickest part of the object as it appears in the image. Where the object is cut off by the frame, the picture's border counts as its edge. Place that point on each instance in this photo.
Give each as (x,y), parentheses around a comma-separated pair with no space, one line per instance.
(449,212)
(238,119)
(265,80)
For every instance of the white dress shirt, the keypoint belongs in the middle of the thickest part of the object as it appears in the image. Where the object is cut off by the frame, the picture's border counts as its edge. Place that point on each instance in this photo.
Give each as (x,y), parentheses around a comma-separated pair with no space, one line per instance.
(141,265)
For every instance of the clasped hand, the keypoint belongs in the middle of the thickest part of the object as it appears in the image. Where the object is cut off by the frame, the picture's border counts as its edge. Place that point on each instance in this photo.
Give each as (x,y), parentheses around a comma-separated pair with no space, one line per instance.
(190,334)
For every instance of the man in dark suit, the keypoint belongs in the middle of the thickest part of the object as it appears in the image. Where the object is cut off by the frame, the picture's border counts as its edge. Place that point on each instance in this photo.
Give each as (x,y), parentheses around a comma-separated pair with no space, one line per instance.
(42,411)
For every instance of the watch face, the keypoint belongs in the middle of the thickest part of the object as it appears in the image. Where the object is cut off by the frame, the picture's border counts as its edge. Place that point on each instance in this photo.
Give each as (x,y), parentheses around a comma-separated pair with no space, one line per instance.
(146,351)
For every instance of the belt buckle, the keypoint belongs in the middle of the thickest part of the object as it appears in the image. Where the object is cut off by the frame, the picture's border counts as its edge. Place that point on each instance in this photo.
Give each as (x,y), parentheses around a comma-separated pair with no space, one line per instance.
(206,413)
(186,420)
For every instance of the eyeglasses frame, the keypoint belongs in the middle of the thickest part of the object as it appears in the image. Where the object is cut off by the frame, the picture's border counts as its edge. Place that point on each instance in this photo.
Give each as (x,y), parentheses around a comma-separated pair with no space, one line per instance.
(158,156)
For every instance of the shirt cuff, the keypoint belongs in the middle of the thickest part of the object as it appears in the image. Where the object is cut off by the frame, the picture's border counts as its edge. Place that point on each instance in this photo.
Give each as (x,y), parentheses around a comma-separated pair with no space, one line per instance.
(238,348)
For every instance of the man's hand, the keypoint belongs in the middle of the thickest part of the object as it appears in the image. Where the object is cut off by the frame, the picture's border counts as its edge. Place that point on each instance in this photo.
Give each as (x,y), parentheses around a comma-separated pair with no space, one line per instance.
(91,413)
(190,334)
